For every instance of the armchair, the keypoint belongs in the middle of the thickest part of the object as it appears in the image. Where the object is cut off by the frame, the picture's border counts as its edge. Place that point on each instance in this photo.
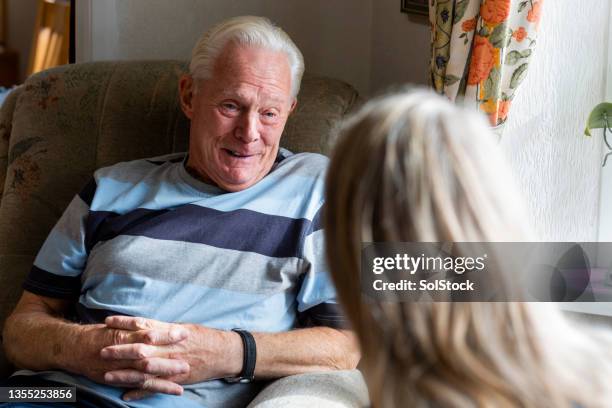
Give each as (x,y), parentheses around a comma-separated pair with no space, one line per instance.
(64,123)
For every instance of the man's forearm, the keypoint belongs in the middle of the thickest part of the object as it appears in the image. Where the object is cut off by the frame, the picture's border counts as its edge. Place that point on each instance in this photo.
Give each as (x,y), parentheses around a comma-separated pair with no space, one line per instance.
(39,341)
(304,350)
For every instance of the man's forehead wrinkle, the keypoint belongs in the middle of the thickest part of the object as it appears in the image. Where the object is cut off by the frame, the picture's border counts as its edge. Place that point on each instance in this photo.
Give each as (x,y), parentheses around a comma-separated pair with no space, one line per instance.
(271,70)
(262,88)
(263,94)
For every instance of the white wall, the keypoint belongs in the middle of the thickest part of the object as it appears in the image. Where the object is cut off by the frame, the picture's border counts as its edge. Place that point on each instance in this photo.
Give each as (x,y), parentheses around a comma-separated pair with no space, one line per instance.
(368,43)
(330,34)
(400,46)
(21,19)
(557,167)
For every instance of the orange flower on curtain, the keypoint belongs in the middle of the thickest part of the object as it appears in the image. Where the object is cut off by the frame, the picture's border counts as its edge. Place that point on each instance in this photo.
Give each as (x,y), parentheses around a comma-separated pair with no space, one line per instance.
(481,50)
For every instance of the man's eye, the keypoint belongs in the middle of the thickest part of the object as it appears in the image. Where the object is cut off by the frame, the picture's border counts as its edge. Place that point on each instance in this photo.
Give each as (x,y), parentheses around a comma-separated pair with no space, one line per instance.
(270,115)
(230,107)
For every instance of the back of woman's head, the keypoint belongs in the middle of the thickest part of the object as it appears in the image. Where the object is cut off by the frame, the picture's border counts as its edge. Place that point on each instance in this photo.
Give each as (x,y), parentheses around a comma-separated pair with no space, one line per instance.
(412,167)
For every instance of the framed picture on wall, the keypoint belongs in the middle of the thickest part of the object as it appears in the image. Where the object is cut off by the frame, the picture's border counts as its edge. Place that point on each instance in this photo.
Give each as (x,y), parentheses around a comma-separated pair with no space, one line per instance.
(415,7)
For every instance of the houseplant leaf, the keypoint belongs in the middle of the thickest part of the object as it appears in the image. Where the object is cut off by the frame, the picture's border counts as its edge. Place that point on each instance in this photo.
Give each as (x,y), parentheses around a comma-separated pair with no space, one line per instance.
(597,117)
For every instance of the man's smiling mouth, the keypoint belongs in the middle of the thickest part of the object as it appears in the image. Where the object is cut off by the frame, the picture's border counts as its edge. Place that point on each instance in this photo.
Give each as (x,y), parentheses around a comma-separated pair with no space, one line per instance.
(236,154)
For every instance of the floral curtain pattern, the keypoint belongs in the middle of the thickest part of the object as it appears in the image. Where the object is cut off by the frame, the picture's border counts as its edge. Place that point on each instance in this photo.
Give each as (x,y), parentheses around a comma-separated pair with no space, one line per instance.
(481,50)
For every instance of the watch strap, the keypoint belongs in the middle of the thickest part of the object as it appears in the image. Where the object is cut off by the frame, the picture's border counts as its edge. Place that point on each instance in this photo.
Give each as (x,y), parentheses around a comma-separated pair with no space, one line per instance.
(249,357)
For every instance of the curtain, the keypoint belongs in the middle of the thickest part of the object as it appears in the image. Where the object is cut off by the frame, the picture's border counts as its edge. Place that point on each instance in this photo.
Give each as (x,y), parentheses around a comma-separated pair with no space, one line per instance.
(481,50)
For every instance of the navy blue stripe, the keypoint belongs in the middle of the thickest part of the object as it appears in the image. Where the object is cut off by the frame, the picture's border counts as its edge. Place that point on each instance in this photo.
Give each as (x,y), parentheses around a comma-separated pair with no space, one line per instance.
(317,222)
(49,284)
(280,156)
(241,230)
(86,315)
(106,225)
(323,314)
(88,192)
(160,162)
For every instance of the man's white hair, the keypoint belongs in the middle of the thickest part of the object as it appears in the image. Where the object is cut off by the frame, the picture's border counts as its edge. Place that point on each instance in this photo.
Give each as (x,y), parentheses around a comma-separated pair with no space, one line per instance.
(248,31)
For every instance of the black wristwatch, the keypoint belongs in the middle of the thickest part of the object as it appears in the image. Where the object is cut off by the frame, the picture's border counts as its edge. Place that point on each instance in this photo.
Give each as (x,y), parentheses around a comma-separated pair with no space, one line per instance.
(249,358)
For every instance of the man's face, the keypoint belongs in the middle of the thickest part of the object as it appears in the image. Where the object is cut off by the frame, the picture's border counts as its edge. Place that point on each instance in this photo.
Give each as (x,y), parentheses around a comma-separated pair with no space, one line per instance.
(238,116)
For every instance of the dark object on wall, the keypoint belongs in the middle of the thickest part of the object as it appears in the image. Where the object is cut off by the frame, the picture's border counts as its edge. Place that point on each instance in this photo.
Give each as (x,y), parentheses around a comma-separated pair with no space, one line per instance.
(9,68)
(415,7)
(2,23)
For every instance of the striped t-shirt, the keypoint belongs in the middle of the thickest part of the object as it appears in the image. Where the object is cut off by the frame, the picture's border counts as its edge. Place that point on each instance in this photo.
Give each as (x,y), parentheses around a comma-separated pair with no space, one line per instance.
(145,238)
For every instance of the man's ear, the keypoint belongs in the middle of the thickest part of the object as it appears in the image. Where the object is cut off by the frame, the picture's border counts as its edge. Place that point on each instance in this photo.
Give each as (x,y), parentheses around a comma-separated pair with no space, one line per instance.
(293,105)
(186,88)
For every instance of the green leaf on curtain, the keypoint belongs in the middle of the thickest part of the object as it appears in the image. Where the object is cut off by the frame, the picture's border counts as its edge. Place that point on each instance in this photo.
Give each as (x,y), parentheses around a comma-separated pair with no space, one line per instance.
(460,10)
(526,53)
(492,84)
(513,57)
(500,35)
(450,80)
(518,76)
(522,6)
(484,31)
(600,117)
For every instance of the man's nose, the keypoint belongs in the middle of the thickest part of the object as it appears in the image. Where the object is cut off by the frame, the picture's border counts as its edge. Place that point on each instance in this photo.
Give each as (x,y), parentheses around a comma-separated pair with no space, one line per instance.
(247,130)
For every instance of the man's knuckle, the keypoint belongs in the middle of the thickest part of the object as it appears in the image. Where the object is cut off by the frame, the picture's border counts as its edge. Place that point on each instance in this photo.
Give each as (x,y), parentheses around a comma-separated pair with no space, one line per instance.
(148,383)
(143,323)
(148,366)
(149,337)
(141,351)
(118,337)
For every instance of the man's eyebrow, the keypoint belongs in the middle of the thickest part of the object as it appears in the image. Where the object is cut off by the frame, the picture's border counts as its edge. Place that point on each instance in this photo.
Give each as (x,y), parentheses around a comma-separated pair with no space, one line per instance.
(229,94)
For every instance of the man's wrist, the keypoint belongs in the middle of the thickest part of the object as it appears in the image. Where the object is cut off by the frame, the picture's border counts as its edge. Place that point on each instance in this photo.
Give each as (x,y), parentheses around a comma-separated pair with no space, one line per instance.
(235,355)
(221,349)
(249,358)
(68,350)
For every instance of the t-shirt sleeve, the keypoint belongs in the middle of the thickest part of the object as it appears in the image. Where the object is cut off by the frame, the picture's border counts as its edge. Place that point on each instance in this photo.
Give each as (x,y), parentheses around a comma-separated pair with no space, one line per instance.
(317,305)
(60,262)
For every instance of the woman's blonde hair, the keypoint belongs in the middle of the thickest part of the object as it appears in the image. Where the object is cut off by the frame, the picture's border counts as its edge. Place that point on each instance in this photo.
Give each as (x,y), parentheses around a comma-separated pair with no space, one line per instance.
(412,167)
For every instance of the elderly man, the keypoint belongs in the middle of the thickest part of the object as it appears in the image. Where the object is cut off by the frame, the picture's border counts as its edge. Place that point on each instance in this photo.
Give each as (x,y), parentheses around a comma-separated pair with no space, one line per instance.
(193,271)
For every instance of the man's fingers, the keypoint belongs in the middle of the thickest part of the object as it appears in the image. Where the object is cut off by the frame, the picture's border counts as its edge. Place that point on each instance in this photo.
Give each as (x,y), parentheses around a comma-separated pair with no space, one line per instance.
(140,330)
(162,366)
(151,387)
(163,336)
(151,366)
(160,385)
(125,378)
(129,323)
(137,394)
(147,384)
(136,351)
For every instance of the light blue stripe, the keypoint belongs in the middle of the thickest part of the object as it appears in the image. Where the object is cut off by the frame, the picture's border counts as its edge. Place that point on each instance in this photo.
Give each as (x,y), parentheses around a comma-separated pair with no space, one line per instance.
(61,255)
(117,195)
(296,197)
(218,308)
(129,172)
(283,192)
(317,286)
